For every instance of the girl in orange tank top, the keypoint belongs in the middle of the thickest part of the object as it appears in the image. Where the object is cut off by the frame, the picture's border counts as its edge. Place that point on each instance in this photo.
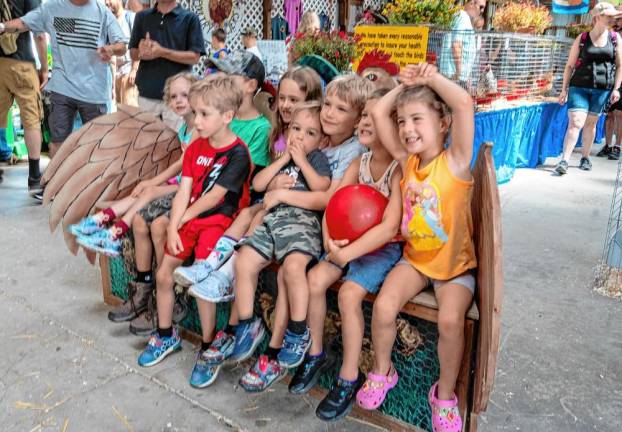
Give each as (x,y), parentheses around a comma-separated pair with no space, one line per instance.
(436,224)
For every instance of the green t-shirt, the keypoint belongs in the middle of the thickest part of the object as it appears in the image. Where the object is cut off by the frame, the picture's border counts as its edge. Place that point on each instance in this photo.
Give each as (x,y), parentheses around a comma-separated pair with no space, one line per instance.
(255,133)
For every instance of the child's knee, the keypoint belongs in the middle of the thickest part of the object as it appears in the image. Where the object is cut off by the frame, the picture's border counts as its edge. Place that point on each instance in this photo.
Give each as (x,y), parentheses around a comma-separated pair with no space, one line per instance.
(350,297)
(159,226)
(139,226)
(316,284)
(385,310)
(450,323)
(164,278)
(294,265)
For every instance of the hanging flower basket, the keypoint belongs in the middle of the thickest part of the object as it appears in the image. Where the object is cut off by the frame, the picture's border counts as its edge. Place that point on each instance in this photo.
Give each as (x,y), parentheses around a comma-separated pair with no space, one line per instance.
(522,17)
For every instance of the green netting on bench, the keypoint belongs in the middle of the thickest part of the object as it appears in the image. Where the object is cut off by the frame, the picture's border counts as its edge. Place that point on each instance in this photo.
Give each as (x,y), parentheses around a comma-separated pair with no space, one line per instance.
(414,354)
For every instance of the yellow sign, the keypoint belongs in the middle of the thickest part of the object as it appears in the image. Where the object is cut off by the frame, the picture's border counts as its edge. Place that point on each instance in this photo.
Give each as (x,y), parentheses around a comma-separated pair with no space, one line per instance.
(405,44)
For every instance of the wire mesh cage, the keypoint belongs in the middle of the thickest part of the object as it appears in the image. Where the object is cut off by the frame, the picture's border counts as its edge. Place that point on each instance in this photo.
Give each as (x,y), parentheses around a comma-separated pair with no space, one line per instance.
(608,277)
(493,66)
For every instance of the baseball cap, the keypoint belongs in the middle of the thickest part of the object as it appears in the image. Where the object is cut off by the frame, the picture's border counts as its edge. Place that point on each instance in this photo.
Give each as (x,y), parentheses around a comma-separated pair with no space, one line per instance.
(242,63)
(249,31)
(605,9)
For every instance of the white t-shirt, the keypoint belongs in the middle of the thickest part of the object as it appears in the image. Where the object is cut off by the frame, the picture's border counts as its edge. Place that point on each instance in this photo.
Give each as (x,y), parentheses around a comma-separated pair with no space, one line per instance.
(462,31)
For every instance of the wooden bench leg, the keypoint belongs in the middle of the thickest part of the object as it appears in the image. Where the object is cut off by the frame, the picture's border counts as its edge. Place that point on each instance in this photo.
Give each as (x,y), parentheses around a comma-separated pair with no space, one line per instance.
(464,377)
(473,422)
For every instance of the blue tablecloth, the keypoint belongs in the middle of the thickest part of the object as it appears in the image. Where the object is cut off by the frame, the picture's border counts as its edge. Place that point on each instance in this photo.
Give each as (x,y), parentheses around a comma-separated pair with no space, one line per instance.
(524,136)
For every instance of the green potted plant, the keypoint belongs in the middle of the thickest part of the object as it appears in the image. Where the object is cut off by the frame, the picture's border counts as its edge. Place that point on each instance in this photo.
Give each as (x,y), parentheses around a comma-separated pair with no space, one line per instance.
(522,17)
(337,48)
(436,12)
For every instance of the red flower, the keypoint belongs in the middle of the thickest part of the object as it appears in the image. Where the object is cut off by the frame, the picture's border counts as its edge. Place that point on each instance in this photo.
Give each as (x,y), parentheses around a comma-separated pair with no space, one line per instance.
(343,35)
(337,54)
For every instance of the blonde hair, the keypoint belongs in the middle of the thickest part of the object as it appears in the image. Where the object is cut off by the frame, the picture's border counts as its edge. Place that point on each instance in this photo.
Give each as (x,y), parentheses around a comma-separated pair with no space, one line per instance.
(170,80)
(309,82)
(353,89)
(309,18)
(314,107)
(218,91)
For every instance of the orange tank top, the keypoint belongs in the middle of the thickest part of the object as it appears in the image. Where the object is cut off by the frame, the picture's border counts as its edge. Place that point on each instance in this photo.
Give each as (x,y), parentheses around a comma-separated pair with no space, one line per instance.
(436,220)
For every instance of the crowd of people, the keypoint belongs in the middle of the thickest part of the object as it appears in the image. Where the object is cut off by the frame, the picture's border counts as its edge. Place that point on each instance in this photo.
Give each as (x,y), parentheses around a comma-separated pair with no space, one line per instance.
(246,193)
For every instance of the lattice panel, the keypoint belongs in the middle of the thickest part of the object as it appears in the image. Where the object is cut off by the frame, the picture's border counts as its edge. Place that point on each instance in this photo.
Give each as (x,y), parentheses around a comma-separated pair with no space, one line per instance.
(277,8)
(376,5)
(327,7)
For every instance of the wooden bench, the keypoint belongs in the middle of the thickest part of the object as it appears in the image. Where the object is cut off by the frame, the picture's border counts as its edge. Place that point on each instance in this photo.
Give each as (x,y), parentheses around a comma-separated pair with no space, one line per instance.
(475,380)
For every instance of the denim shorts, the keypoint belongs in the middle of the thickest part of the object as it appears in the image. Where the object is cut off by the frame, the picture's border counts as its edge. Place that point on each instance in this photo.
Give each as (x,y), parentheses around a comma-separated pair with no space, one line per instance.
(369,271)
(588,100)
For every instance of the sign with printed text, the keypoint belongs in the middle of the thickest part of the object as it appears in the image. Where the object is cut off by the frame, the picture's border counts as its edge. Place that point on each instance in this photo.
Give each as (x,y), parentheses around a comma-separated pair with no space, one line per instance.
(406,44)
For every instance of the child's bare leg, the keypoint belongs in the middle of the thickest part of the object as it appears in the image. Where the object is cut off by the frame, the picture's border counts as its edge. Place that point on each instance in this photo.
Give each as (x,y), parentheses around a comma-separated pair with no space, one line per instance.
(241,223)
(207,314)
(257,220)
(158,237)
(295,278)
(121,206)
(320,278)
(281,313)
(402,284)
(165,296)
(453,302)
(247,268)
(351,297)
(143,249)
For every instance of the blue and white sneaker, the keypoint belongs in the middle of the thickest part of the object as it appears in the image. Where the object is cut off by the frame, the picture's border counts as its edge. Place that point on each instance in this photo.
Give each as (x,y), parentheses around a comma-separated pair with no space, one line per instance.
(198,271)
(220,349)
(158,348)
(204,373)
(262,375)
(216,288)
(247,337)
(101,242)
(86,227)
(294,348)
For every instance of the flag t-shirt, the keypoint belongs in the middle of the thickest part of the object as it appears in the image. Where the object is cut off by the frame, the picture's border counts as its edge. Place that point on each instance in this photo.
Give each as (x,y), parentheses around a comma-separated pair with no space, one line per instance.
(76,32)
(228,167)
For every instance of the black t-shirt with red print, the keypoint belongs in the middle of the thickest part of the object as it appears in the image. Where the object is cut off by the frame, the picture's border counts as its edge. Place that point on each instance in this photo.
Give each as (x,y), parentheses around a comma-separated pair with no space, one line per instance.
(228,167)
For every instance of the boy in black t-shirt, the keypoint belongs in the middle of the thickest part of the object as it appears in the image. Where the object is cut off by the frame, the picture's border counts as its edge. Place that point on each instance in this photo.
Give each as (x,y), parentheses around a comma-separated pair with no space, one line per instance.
(214,186)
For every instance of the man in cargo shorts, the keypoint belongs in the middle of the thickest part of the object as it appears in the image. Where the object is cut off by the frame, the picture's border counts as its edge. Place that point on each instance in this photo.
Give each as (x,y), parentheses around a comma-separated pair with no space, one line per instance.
(19,82)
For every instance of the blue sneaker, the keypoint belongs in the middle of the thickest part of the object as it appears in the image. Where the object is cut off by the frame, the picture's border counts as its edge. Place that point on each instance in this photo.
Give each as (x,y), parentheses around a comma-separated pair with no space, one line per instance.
(198,271)
(86,227)
(203,373)
(158,348)
(262,375)
(247,338)
(216,288)
(101,242)
(294,348)
(220,349)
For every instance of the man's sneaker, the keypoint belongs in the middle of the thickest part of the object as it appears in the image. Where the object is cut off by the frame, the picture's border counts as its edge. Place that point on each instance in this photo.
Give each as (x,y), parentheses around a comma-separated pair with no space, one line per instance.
(309,372)
(34,186)
(339,401)
(247,337)
(216,288)
(220,349)
(140,294)
(614,154)
(101,242)
(262,375)
(203,373)
(562,167)
(158,348)
(604,152)
(145,323)
(294,348)
(86,227)
(186,276)
(585,164)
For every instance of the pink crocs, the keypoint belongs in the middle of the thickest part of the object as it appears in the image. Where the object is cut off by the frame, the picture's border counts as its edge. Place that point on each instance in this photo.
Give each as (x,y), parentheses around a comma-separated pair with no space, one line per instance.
(375,389)
(445,414)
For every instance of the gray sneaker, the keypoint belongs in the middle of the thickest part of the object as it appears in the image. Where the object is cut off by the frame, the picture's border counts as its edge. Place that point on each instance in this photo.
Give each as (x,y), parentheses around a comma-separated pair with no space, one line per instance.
(147,322)
(139,296)
(585,164)
(562,167)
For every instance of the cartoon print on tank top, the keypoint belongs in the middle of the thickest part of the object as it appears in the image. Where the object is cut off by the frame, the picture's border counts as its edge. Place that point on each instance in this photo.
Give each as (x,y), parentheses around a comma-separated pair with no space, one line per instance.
(422,223)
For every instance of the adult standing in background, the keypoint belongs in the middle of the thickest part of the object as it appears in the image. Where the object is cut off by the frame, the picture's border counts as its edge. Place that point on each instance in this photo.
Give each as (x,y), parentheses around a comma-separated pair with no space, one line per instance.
(459,46)
(124,70)
(84,36)
(166,39)
(20,81)
(249,41)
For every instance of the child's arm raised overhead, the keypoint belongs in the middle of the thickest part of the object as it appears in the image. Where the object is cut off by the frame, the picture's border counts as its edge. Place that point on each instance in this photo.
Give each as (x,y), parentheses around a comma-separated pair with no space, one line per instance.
(460,151)
(315,180)
(342,253)
(263,178)
(382,115)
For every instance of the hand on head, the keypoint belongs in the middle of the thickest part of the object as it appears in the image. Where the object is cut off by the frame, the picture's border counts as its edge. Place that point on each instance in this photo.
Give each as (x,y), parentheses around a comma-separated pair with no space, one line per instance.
(417,74)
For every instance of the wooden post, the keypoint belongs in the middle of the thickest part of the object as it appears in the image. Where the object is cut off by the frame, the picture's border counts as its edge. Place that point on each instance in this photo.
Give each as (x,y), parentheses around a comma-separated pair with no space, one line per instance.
(267,19)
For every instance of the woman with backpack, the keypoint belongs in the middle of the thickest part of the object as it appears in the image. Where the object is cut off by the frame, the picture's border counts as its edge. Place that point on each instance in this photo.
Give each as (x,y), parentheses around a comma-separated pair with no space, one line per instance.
(592,77)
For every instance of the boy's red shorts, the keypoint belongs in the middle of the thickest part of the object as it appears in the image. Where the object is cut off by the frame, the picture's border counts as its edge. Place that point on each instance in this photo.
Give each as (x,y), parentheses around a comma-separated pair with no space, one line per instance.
(201,235)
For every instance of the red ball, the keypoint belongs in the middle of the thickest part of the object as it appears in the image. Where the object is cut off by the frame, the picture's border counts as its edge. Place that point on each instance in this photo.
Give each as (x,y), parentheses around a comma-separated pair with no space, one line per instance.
(353,210)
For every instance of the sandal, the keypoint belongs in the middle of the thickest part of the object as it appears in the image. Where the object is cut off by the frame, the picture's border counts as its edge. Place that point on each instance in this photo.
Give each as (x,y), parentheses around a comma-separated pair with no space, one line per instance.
(375,389)
(445,414)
